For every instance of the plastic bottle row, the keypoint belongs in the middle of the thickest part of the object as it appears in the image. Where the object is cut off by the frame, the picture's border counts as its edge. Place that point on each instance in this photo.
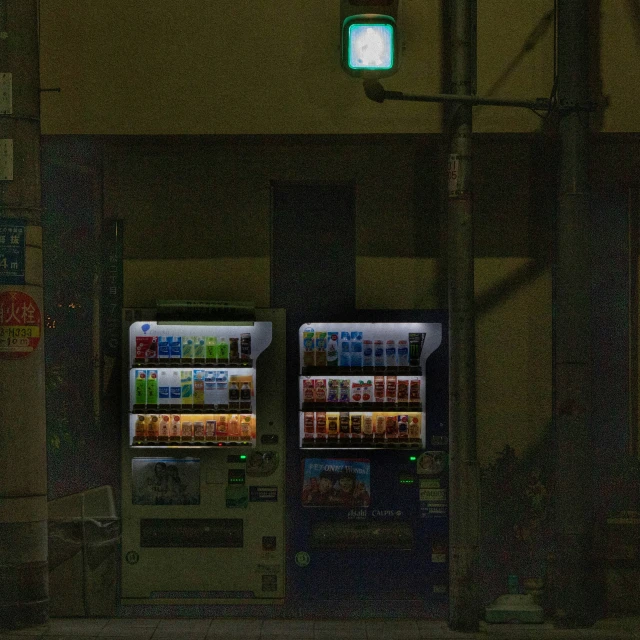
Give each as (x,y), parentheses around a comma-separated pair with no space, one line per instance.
(380,389)
(354,428)
(355,349)
(189,349)
(192,429)
(191,388)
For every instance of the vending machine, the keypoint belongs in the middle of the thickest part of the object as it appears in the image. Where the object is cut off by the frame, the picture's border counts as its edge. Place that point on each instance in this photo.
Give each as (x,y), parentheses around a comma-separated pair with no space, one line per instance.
(370,504)
(203,455)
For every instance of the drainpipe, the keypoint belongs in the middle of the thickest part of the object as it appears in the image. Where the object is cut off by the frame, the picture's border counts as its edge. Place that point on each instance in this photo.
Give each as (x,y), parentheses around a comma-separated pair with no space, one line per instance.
(463,468)
(571,326)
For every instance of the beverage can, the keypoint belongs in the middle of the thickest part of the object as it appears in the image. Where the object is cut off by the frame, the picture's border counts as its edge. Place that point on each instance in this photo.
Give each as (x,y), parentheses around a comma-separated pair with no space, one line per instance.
(403,426)
(356,425)
(391,426)
(245,347)
(320,390)
(416,340)
(380,425)
(333,420)
(234,349)
(321,423)
(414,390)
(345,424)
(403,390)
(308,390)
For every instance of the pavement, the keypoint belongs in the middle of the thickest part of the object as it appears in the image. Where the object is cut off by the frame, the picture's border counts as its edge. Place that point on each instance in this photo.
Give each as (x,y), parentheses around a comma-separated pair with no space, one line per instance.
(281,629)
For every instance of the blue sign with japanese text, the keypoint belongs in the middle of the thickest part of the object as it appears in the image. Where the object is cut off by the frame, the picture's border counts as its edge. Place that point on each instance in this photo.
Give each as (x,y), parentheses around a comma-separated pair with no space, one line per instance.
(12,251)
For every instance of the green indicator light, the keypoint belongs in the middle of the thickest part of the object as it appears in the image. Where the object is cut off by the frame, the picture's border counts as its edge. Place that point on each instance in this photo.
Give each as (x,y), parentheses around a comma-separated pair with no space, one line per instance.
(245,457)
(413,458)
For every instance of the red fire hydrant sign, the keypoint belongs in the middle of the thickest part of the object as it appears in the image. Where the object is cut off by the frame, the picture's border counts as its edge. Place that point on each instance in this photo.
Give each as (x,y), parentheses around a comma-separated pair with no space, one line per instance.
(20,324)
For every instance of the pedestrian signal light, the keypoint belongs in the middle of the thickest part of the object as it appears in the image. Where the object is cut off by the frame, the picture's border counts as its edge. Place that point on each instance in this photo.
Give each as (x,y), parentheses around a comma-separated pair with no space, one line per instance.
(369,45)
(369,37)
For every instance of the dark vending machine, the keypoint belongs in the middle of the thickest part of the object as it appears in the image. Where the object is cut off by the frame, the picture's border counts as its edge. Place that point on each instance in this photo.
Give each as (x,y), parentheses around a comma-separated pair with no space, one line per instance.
(370,514)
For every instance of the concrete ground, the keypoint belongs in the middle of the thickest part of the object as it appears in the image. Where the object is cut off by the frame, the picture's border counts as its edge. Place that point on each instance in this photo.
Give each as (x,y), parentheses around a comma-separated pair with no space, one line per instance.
(275,629)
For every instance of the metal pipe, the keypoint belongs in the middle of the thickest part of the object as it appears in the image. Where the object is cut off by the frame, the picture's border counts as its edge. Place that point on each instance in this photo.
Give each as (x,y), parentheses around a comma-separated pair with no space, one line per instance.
(464,609)
(571,326)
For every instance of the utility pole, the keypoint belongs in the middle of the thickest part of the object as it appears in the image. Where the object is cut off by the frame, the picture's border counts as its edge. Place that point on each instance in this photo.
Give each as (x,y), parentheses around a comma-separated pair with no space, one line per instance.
(571,330)
(463,468)
(24,573)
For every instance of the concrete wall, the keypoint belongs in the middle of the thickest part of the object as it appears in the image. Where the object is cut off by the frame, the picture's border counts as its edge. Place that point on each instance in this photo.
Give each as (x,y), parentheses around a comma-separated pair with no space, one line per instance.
(245,67)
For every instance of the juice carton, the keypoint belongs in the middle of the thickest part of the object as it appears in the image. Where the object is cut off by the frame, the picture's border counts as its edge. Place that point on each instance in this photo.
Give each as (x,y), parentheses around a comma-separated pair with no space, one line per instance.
(175,348)
(198,387)
(345,349)
(186,387)
(164,351)
(391,393)
(223,350)
(187,349)
(164,385)
(332,348)
(211,349)
(175,389)
(320,390)
(308,348)
(356,348)
(321,348)
(308,390)
(141,388)
(147,348)
(356,391)
(152,388)
(209,387)
(199,351)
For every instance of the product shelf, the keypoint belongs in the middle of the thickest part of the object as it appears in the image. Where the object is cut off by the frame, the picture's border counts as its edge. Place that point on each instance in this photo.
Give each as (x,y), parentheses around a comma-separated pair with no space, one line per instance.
(190,364)
(356,371)
(322,443)
(360,407)
(157,411)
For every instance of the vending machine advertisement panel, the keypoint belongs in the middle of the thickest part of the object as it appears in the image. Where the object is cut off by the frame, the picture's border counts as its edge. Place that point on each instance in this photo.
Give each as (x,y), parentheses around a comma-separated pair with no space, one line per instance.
(372,512)
(203,459)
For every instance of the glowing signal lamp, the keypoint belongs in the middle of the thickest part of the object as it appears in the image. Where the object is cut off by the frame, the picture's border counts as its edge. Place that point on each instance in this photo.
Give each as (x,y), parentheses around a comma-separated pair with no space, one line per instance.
(371,46)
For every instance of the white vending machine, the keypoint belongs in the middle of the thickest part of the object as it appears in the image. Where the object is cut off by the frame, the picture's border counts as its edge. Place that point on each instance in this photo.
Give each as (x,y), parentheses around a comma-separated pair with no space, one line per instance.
(203,455)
